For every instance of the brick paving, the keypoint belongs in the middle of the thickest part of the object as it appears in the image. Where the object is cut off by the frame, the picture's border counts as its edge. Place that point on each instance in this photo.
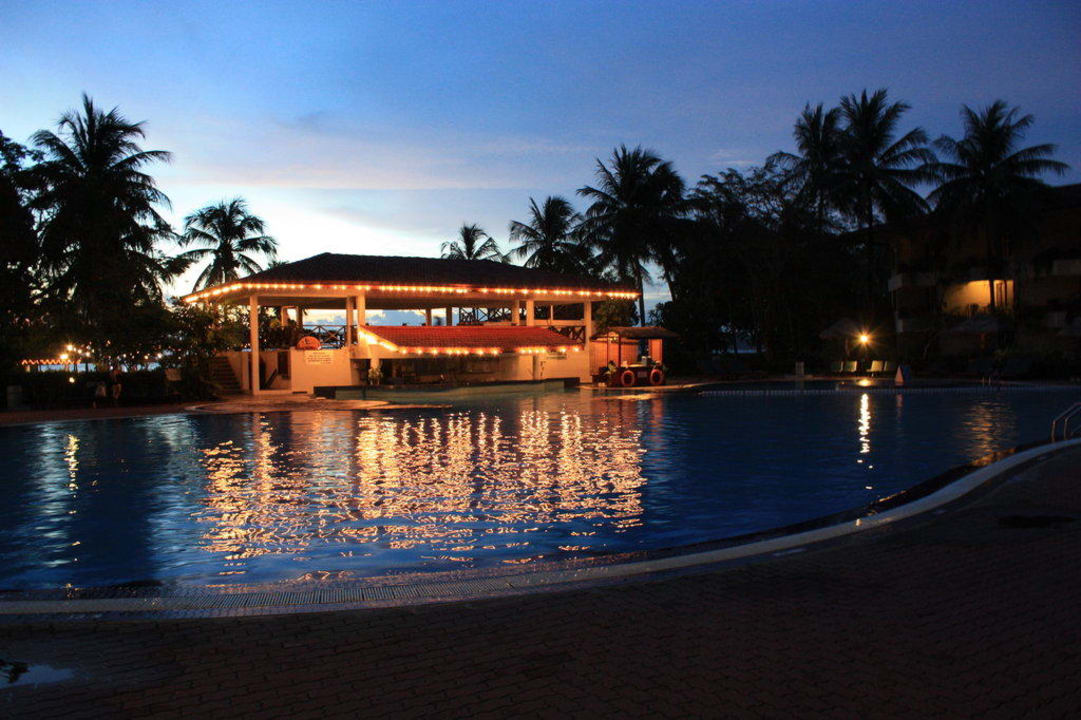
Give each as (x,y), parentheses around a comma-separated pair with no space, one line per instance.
(972,613)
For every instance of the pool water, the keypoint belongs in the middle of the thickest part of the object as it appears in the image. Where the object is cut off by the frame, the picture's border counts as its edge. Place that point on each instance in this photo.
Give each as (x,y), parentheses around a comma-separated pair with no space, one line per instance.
(250,498)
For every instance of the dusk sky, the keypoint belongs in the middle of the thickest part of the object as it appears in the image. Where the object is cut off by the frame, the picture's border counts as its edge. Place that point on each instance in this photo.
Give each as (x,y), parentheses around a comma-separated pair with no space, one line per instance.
(381,127)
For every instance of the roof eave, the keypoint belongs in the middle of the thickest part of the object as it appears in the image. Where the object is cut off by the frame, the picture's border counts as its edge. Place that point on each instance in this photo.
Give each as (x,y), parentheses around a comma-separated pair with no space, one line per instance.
(304,289)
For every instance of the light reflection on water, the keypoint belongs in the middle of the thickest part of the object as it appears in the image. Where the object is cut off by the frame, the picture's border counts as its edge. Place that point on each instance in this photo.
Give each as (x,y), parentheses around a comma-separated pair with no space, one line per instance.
(263,497)
(864,427)
(448,485)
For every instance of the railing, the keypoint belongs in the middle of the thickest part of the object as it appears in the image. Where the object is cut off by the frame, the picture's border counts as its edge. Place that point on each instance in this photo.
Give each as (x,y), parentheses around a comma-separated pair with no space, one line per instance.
(1064,417)
(287,336)
(574,333)
(332,336)
(480,315)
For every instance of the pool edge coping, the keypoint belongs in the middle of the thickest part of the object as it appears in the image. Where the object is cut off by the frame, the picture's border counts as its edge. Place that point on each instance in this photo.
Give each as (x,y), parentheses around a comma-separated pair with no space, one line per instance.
(274,601)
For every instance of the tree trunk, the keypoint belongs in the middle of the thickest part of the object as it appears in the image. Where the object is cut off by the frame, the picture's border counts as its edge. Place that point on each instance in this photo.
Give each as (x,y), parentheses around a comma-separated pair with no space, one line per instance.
(989,233)
(869,251)
(641,301)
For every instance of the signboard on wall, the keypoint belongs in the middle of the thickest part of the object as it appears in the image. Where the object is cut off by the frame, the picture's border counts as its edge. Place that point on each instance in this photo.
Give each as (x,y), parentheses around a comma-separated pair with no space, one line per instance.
(318,357)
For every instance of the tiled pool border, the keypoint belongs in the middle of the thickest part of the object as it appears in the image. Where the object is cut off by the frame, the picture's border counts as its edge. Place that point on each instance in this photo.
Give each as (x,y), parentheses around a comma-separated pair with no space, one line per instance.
(132,602)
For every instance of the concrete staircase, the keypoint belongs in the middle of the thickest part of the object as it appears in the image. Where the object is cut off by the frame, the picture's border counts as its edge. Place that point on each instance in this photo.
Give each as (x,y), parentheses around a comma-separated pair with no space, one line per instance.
(222,375)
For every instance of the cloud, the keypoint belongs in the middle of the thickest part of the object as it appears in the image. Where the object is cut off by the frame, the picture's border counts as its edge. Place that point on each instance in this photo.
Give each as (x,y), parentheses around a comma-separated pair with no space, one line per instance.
(318,150)
(733,157)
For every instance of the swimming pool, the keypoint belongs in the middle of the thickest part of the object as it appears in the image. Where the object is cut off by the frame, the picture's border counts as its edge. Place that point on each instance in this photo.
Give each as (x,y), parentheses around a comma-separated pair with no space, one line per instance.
(262,497)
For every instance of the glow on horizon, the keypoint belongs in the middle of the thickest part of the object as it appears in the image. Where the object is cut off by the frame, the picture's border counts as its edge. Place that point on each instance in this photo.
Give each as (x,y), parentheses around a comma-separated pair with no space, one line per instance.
(380,128)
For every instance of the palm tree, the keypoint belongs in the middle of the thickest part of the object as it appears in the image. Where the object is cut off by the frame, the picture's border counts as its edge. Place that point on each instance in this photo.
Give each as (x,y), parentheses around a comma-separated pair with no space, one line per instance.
(229,236)
(18,249)
(814,170)
(472,244)
(634,216)
(987,178)
(877,171)
(100,225)
(550,240)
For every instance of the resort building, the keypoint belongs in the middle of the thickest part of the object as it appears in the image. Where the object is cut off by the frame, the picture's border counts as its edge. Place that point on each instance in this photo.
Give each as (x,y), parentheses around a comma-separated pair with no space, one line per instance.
(484,322)
(949,288)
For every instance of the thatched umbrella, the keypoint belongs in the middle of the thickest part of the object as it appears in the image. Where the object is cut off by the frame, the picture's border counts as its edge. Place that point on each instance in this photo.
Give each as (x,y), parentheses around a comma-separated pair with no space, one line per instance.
(843,328)
(1073,330)
(979,325)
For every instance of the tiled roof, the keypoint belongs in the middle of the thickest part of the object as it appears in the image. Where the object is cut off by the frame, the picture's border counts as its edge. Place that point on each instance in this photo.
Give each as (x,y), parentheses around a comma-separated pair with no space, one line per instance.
(507,337)
(391,269)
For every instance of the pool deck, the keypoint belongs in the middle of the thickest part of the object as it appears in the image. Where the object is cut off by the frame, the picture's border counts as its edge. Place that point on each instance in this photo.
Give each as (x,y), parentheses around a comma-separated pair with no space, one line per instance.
(25,416)
(967,611)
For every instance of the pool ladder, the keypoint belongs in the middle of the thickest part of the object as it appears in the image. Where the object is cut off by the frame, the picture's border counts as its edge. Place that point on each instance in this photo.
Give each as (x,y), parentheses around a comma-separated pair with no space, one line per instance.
(1064,417)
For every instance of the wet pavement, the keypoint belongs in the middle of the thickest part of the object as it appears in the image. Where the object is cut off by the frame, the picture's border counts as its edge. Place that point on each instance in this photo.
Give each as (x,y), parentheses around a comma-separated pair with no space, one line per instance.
(969,611)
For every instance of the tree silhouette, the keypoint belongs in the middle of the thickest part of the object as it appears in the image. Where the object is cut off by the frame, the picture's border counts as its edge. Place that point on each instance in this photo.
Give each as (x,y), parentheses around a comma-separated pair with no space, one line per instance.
(230,235)
(550,240)
(988,179)
(878,171)
(634,216)
(100,224)
(815,170)
(472,244)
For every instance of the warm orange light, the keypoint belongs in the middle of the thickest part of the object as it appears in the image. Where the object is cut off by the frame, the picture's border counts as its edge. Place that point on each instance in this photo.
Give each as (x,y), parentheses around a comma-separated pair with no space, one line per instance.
(864,338)
(480,350)
(428,289)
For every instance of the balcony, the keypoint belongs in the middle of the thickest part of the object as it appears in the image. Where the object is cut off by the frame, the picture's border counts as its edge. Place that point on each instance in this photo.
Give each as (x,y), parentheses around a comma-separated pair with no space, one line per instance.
(1066,266)
(1056,319)
(911,279)
(912,324)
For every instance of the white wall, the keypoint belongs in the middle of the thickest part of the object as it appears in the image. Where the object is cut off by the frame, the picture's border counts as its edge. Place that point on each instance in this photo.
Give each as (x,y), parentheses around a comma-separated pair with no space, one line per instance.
(307,374)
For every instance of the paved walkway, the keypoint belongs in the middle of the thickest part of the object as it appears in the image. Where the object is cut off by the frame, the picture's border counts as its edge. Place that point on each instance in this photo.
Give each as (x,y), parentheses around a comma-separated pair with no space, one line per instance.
(15,417)
(970,613)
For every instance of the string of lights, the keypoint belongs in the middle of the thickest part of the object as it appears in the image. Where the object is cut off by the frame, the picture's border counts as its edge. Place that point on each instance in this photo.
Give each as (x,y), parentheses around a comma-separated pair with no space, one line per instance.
(238,287)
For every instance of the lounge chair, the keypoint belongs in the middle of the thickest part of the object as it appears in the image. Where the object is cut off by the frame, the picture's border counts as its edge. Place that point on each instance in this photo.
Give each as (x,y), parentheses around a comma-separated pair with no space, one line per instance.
(851,366)
(836,367)
(889,367)
(1017,367)
(876,367)
(980,367)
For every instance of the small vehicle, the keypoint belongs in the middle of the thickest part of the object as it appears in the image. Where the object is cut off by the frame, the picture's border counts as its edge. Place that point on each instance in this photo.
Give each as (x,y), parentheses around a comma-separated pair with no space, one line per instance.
(646,343)
(635,374)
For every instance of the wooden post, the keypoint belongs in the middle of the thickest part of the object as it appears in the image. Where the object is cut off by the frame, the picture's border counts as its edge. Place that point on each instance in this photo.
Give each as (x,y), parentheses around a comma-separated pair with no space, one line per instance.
(350,336)
(360,304)
(515,312)
(530,312)
(587,318)
(450,316)
(428,316)
(253,323)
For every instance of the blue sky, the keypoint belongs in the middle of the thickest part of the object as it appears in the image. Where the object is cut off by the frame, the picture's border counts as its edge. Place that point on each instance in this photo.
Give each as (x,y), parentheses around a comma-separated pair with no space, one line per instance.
(380,127)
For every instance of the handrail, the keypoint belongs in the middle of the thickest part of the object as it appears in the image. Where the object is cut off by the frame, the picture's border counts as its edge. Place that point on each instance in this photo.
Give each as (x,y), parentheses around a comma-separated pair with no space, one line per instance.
(1064,417)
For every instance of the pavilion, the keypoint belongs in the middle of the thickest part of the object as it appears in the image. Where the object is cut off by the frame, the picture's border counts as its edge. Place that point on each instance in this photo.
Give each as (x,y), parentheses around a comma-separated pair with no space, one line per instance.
(506,328)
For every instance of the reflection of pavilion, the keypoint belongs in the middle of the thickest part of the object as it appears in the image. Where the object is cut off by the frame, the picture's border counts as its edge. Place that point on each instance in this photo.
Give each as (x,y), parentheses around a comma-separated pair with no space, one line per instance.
(454,484)
(507,327)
